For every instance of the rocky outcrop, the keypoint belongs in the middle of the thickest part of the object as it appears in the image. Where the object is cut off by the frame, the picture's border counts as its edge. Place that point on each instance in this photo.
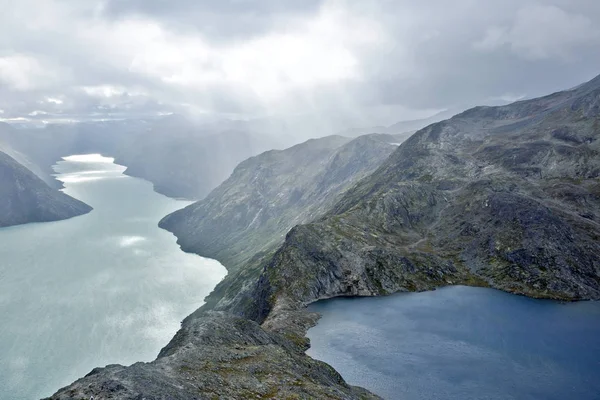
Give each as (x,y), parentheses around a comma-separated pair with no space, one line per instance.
(269,194)
(506,197)
(219,356)
(25,198)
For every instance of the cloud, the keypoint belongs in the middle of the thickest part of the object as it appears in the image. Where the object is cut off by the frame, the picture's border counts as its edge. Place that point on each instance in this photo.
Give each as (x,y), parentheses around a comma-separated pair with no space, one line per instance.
(23,72)
(542,32)
(217,21)
(304,55)
(346,62)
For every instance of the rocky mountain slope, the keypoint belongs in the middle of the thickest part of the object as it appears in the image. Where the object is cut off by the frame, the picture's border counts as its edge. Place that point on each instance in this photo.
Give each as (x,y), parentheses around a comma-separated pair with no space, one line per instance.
(507,197)
(25,198)
(269,194)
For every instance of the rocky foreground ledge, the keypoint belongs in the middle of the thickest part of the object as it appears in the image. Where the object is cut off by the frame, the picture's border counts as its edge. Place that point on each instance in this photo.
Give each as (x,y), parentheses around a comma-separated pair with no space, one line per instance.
(219,356)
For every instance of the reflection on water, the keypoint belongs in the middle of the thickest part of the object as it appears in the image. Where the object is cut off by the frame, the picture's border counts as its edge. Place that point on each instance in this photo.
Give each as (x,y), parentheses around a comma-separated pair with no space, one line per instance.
(106,287)
(462,343)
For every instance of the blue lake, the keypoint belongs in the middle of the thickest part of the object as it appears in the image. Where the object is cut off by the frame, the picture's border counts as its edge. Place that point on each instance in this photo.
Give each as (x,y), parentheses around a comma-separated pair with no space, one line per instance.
(462,343)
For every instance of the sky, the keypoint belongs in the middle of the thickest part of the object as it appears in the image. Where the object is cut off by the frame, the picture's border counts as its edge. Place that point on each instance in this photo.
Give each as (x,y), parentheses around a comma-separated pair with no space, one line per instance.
(358,63)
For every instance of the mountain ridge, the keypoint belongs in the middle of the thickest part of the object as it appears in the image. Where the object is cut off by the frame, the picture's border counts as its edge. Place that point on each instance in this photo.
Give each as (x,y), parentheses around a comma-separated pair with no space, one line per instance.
(26,198)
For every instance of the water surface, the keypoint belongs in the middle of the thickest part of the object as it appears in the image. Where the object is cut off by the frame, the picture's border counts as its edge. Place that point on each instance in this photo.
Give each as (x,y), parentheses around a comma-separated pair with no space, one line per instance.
(107,287)
(462,343)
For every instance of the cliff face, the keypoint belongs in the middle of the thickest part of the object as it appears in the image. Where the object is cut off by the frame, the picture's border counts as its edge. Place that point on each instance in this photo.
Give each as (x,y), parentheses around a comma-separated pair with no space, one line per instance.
(507,197)
(26,198)
(268,194)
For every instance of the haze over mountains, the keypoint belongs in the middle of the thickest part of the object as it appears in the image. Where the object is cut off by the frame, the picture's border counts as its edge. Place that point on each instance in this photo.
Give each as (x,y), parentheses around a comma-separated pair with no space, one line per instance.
(186,164)
(181,157)
(505,197)
(405,128)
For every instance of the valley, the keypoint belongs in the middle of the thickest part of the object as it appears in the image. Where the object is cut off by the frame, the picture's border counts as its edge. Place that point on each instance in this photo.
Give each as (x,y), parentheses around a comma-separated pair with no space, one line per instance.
(502,197)
(321,199)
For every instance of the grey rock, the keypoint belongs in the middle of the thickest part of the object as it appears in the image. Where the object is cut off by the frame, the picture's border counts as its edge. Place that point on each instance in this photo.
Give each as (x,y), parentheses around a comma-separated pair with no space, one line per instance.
(218,356)
(25,198)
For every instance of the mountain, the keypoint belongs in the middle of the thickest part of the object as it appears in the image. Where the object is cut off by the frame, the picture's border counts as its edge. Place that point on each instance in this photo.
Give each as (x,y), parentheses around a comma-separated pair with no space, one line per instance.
(404,128)
(414,125)
(505,197)
(26,198)
(270,193)
(10,144)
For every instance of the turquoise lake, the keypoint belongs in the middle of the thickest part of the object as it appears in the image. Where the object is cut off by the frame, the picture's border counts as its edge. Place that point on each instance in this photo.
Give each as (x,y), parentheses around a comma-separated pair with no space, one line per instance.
(103,288)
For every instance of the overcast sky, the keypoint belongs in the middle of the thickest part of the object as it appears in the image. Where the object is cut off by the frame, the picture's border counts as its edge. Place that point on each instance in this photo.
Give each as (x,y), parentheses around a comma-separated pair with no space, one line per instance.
(374,61)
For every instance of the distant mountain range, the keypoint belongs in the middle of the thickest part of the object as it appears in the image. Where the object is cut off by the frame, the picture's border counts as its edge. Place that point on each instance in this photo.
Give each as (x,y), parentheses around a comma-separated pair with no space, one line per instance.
(406,128)
(181,157)
(185,163)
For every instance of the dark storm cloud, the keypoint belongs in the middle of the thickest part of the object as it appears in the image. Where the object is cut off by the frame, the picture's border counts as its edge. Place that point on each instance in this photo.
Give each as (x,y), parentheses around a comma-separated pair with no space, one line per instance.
(474,51)
(358,62)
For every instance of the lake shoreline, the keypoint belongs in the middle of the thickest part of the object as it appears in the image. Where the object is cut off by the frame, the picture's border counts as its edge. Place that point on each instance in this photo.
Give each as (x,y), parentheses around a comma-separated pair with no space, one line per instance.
(109,285)
(339,339)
